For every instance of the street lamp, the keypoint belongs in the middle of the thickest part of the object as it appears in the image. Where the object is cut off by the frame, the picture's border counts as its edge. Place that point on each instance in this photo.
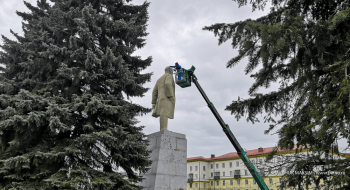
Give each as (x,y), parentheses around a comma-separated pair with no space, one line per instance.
(199,175)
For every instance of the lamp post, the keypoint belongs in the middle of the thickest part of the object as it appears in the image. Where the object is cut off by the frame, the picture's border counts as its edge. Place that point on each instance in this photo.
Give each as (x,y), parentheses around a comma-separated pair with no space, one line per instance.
(199,175)
(213,174)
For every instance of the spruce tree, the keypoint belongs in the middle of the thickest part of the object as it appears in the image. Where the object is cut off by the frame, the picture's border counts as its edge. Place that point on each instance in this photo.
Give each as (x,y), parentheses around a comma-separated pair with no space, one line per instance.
(65,123)
(305,47)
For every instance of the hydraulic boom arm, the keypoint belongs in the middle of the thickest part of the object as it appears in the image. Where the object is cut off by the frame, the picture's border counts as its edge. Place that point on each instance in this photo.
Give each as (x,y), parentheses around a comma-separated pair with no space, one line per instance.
(242,154)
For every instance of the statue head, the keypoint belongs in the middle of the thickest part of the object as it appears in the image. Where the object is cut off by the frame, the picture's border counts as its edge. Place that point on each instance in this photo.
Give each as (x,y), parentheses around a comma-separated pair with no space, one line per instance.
(169,70)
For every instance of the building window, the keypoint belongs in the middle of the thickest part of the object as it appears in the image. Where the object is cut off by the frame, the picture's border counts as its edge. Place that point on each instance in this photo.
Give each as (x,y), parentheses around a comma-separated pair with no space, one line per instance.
(280,180)
(262,170)
(237,163)
(205,185)
(217,173)
(238,182)
(211,183)
(245,172)
(223,165)
(203,168)
(196,176)
(230,173)
(253,162)
(211,174)
(270,180)
(230,164)
(190,168)
(246,182)
(190,185)
(196,185)
(231,182)
(217,183)
(196,168)
(260,161)
(223,182)
(237,172)
(203,176)
(217,166)
(211,166)
(254,182)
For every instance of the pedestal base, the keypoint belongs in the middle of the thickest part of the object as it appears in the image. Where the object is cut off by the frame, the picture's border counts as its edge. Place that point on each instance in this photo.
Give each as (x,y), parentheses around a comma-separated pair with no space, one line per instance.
(169,162)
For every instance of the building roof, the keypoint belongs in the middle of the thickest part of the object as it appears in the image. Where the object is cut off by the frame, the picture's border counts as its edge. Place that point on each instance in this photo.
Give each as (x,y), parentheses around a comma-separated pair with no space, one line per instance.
(248,152)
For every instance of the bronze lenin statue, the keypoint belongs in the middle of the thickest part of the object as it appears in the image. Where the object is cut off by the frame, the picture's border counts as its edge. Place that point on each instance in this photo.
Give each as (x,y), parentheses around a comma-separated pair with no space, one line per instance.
(163,98)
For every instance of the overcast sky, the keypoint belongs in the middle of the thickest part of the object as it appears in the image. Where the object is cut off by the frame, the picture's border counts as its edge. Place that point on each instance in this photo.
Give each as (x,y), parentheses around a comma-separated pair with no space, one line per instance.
(176,35)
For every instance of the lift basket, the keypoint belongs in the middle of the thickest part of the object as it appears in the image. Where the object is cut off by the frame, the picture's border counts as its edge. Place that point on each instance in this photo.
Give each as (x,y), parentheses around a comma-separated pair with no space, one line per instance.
(184,80)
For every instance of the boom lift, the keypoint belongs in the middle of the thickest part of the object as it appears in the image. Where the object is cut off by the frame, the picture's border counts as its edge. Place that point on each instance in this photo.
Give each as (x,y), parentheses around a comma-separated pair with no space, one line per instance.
(183,78)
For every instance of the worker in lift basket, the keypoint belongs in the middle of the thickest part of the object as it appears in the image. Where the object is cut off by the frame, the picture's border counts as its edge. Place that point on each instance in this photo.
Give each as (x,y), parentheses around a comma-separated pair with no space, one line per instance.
(177,66)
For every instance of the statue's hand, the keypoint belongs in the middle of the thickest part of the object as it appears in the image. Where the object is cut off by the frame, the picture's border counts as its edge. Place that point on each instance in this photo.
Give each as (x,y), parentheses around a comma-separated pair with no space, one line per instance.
(153,105)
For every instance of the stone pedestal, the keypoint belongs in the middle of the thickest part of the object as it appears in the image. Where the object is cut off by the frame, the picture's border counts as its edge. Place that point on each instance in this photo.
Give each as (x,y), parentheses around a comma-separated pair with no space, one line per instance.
(169,162)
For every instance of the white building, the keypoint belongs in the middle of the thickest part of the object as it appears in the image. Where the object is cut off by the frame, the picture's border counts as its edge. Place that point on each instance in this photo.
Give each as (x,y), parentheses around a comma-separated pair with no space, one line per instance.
(229,172)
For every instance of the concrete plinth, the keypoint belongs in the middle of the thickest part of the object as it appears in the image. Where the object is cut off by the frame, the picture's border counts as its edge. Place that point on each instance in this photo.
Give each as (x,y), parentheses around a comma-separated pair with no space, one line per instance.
(169,162)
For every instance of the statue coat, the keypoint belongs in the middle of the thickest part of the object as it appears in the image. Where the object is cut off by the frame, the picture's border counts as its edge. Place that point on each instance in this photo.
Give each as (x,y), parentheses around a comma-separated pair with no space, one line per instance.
(164,92)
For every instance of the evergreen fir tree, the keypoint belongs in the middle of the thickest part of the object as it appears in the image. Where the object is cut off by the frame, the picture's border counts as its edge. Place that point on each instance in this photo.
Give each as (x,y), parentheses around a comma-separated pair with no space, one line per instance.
(305,46)
(65,123)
